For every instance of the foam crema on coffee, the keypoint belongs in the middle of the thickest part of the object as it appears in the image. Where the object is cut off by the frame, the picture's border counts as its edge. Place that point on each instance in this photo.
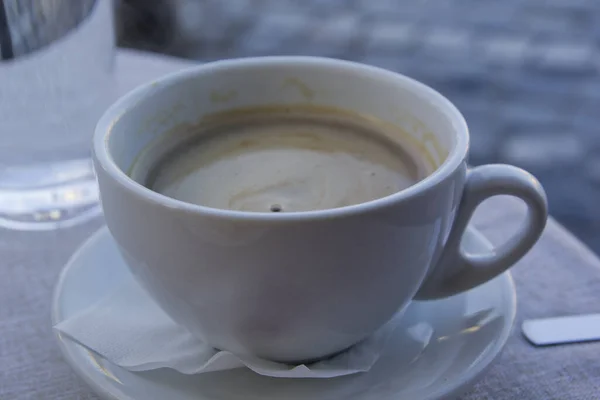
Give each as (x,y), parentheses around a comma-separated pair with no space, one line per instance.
(281,160)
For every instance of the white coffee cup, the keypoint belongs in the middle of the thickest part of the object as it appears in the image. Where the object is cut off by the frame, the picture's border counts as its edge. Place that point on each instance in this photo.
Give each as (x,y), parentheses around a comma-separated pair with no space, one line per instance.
(292,287)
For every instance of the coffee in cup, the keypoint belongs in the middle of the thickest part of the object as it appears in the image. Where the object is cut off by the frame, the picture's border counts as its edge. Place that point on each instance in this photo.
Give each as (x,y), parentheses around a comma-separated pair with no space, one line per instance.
(282,159)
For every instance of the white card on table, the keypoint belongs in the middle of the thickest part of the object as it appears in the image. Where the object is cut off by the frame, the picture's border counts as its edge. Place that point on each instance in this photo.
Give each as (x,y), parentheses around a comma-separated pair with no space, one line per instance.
(559,330)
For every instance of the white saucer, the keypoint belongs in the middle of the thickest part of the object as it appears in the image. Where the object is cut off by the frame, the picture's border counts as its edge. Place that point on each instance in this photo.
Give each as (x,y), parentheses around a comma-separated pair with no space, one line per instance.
(441,348)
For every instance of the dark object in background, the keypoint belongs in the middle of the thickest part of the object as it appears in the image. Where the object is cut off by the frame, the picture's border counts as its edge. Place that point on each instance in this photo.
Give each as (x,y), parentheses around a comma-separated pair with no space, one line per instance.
(145,25)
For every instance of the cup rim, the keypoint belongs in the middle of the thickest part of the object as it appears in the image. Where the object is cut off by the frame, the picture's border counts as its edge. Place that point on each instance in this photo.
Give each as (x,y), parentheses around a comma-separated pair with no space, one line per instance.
(119,108)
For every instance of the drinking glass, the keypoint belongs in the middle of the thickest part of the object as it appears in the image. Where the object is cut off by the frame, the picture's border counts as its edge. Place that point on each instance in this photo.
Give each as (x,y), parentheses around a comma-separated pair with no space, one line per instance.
(56,79)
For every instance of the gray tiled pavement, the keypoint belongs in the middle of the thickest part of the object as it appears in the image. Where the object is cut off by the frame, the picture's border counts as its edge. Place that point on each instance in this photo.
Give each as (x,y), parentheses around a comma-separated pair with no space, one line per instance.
(525,73)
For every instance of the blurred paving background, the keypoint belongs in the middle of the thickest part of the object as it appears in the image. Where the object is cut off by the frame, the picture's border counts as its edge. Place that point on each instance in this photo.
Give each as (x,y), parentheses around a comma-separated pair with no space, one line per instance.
(525,73)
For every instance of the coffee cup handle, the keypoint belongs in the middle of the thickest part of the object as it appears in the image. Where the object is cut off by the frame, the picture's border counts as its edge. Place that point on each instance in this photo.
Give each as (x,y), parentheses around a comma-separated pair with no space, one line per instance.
(456,271)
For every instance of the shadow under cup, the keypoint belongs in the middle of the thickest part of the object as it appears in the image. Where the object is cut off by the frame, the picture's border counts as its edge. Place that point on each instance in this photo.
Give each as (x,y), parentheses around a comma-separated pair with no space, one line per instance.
(214,270)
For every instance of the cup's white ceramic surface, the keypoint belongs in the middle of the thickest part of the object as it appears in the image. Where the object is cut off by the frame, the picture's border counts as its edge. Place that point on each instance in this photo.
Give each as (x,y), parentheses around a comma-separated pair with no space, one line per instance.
(299,286)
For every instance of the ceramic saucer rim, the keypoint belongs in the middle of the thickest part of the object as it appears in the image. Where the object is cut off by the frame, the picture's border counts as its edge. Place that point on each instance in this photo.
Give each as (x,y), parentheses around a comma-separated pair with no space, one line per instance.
(470,377)
(104,392)
(68,349)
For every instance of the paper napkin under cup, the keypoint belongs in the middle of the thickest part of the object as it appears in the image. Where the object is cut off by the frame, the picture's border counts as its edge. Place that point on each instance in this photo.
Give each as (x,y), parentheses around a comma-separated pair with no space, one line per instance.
(130,330)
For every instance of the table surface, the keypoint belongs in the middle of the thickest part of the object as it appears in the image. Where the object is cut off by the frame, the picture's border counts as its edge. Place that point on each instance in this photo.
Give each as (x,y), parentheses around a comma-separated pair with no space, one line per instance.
(560,276)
